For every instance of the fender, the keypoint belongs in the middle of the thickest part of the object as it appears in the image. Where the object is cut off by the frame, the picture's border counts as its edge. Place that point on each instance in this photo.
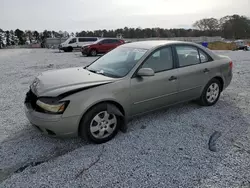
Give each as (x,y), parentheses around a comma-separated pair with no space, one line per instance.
(114,110)
(63,95)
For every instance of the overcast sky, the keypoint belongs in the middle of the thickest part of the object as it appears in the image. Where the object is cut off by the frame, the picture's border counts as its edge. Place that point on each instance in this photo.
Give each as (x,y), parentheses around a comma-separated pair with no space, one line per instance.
(77,15)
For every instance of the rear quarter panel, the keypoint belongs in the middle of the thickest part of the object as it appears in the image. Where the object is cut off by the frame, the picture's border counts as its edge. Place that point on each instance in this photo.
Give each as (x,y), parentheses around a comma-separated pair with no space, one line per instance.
(226,71)
(221,68)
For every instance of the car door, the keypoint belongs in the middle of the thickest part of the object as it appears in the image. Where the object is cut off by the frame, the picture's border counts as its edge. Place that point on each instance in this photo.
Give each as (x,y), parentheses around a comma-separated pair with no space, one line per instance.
(193,75)
(73,42)
(114,43)
(103,46)
(211,66)
(152,92)
(110,44)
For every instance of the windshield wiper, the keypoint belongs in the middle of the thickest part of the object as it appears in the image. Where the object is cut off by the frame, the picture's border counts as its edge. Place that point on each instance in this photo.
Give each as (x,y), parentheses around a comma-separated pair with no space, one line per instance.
(96,71)
(90,70)
(102,73)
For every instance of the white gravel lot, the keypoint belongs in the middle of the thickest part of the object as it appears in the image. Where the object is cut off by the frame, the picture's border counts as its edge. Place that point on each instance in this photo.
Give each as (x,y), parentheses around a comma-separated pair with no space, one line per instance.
(168,148)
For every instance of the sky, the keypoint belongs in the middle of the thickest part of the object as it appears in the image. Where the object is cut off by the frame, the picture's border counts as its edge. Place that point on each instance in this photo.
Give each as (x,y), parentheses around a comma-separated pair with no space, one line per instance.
(78,15)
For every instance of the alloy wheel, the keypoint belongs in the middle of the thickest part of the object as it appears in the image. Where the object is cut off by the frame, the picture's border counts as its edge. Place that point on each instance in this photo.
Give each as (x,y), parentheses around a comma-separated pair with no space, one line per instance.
(212,92)
(93,53)
(103,125)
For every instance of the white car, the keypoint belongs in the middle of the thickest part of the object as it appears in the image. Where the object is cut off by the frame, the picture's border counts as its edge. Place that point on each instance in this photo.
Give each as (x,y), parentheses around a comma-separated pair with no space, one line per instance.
(76,43)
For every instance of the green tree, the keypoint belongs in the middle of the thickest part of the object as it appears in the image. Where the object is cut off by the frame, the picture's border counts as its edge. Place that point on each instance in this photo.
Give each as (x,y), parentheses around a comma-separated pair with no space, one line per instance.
(36,36)
(28,34)
(207,24)
(20,35)
(1,40)
(12,37)
(8,38)
(235,26)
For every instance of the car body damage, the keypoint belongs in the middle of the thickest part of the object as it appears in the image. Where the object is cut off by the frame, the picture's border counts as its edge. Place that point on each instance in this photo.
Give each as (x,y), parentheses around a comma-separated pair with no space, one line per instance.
(66,81)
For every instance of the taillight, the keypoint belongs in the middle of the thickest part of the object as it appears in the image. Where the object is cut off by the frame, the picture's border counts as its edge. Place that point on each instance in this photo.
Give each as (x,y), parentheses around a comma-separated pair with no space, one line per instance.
(231,64)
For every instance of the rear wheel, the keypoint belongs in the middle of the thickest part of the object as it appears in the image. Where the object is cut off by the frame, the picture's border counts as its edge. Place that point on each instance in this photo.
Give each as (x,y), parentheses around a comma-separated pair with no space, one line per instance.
(211,93)
(98,125)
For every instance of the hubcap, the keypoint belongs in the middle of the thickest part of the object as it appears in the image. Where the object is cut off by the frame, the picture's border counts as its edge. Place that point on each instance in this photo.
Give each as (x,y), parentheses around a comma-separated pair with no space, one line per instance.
(93,53)
(213,92)
(103,125)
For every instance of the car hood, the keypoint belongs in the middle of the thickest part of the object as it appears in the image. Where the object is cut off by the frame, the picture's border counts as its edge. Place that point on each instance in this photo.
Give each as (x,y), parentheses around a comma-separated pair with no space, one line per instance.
(56,82)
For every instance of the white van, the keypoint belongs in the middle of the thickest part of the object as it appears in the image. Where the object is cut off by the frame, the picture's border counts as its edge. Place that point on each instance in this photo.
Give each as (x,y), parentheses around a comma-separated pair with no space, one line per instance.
(76,43)
(242,45)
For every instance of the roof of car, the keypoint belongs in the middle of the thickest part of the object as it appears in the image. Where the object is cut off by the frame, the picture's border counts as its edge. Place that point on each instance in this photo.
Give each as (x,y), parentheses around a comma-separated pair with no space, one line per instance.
(152,43)
(109,38)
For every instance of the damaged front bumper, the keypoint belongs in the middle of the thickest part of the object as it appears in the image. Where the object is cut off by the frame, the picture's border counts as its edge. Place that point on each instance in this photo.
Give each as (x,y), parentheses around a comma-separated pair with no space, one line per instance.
(51,124)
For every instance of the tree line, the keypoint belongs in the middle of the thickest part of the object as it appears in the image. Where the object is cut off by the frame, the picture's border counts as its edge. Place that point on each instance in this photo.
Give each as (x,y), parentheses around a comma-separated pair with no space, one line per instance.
(229,27)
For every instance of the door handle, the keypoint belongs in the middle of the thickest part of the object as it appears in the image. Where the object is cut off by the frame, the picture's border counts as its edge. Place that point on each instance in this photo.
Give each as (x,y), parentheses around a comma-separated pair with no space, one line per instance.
(206,70)
(172,78)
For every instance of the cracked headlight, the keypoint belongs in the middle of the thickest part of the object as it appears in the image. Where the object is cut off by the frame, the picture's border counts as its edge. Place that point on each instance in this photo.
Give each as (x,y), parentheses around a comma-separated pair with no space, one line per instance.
(51,107)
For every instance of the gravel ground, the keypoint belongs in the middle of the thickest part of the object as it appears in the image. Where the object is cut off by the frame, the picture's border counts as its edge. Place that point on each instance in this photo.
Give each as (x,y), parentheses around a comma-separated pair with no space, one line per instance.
(167,148)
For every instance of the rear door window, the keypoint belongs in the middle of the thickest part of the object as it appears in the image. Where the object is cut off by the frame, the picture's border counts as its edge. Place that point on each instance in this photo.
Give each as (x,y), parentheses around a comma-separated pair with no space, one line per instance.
(187,55)
(106,41)
(110,41)
(114,41)
(92,39)
(87,39)
(203,57)
(83,39)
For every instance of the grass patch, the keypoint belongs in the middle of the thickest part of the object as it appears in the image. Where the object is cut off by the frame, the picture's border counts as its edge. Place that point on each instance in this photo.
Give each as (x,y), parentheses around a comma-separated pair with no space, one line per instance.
(221,46)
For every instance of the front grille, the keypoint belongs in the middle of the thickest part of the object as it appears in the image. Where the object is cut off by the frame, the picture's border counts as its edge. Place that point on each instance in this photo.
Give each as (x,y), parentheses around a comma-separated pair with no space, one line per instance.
(31,98)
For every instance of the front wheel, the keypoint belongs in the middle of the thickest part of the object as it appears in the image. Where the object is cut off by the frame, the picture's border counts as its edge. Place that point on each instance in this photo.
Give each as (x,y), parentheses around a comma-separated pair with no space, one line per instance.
(93,52)
(211,93)
(69,49)
(98,125)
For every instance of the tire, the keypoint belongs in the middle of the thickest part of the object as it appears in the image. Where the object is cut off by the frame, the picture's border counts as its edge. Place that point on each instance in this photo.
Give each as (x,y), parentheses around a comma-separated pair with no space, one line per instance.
(211,93)
(69,49)
(93,52)
(96,123)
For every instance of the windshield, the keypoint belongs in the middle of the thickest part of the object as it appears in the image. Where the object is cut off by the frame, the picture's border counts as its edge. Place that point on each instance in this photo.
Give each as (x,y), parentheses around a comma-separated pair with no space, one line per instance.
(97,41)
(67,41)
(118,62)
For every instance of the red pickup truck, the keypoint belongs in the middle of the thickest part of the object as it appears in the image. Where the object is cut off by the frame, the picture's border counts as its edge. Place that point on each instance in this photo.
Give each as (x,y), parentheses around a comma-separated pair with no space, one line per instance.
(101,46)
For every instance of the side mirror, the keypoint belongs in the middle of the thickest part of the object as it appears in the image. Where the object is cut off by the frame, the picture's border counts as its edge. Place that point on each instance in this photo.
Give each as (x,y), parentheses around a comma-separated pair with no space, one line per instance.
(146,72)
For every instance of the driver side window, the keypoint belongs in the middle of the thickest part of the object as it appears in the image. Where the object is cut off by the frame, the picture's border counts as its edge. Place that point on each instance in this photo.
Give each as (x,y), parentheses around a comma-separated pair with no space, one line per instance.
(160,60)
(72,41)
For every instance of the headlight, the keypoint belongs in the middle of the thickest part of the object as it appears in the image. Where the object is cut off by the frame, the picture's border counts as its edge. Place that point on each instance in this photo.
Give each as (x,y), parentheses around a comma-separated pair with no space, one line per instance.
(57,108)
